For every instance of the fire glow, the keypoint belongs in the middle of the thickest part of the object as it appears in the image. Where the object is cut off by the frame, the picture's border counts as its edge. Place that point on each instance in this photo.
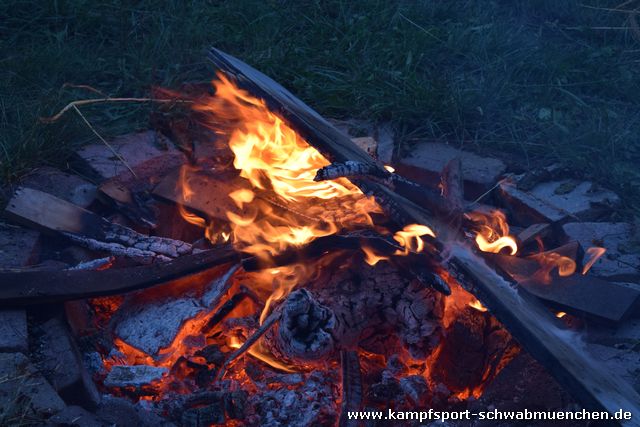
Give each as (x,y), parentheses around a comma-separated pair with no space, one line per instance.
(281,207)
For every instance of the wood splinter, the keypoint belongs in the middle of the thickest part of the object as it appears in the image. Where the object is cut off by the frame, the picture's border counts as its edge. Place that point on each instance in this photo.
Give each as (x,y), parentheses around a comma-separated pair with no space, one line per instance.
(268,323)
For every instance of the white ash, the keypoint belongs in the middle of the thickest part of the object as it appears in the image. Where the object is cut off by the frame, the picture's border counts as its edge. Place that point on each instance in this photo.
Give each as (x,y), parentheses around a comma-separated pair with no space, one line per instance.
(134,375)
(311,404)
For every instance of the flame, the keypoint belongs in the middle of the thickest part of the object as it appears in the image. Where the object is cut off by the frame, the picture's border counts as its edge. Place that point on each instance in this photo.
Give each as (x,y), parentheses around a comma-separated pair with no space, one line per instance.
(551,260)
(410,238)
(560,314)
(274,159)
(259,352)
(389,168)
(492,234)
(593,254)
(477,305)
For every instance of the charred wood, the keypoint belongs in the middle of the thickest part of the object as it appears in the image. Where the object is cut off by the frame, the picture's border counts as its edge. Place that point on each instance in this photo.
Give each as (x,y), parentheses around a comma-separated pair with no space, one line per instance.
(351,387)
(54,215)
(37,287)
(525,317)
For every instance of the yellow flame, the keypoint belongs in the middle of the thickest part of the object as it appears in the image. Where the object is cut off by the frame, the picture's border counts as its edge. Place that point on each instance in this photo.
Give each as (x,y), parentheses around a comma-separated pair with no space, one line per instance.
(492,234)
(477,305)
(560,314)
(410,238)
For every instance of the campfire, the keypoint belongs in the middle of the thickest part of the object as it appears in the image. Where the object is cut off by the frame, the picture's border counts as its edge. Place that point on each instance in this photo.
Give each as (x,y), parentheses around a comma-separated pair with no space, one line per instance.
(318,281)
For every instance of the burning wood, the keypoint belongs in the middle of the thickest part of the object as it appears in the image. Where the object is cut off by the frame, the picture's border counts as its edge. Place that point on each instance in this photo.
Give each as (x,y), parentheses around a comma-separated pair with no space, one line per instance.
(335,261)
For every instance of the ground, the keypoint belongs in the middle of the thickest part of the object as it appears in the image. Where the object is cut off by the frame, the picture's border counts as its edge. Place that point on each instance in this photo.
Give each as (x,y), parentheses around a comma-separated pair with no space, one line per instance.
(536,81)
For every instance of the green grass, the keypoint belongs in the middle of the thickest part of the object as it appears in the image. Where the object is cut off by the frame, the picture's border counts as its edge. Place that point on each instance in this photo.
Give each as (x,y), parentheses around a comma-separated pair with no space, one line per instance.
(542,81)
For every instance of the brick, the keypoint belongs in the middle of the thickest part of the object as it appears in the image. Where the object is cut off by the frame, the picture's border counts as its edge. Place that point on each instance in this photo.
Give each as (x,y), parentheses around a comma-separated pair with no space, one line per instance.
(426,161)
(144,152)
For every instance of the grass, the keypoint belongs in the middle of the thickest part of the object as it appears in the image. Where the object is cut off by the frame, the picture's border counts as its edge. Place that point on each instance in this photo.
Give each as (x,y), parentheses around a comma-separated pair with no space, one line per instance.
(537,81)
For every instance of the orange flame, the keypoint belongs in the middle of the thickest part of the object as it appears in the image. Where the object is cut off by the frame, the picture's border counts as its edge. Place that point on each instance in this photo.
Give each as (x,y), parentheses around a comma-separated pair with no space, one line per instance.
(551,260)
(492,233)
(593,254)
(273,158)
(477,305)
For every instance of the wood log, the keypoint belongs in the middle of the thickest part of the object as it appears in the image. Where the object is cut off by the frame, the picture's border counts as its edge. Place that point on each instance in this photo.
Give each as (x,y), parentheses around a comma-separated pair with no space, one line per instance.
(51,214)
(524,316)
(352,391)
(38,287)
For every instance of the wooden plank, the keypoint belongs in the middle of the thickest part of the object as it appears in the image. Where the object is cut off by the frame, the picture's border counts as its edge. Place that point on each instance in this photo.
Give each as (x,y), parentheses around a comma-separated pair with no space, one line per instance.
(210,192)
(525,317)
(577,294)
(51,214)
(24,287)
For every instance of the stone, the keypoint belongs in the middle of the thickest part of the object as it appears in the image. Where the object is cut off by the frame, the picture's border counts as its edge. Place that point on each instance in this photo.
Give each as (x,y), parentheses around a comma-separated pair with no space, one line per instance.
(24,393)
(13,330)
(75,416)
(426,161)
(144,152)
(134,375)
(66,186)
(150,326)
(582,200)
(61,363)
(619,259)
(116,411)
(385,136)
(17,245)
(368,144)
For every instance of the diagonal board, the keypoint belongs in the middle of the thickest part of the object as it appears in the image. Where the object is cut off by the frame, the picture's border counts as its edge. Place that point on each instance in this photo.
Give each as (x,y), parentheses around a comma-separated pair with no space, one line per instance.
(523,315)
(24,287)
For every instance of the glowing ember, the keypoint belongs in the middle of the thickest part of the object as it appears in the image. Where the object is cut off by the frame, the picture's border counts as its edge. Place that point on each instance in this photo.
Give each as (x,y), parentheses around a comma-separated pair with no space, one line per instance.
(592,255)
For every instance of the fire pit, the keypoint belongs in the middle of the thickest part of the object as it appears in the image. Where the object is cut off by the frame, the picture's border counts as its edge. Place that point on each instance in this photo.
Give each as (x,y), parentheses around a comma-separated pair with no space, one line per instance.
(318,280)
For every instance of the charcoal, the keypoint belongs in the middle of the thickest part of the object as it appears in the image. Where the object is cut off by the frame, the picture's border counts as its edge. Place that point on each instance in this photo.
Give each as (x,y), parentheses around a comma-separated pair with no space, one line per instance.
(386,391)
(415,387)
(212,354)
(204,416)
(235,404)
